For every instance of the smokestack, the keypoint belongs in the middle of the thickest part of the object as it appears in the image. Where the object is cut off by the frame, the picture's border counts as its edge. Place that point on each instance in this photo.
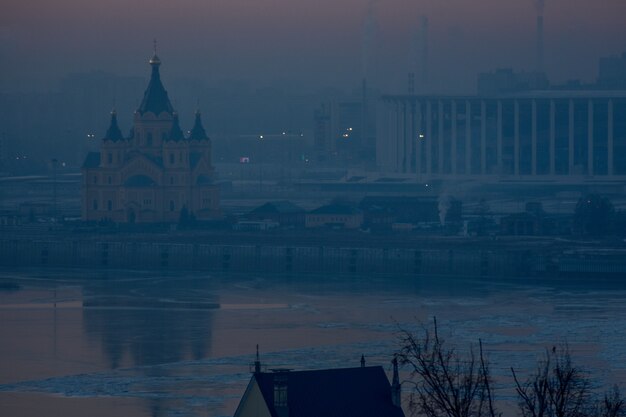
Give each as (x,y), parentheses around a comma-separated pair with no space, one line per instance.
(424,44)
(540,43)
(369,29)
(364,113)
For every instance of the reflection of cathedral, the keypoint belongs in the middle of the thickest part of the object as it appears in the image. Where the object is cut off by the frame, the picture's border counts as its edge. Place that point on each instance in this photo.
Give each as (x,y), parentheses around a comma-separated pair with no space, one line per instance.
(133,333)
(154,174)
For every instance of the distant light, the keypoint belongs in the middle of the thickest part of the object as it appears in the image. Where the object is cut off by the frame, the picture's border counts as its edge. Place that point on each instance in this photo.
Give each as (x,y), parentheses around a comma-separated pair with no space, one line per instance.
(284,133)
(421,136)
(426,185)
(345,135)
(350,129)
(62,164)
(301,135)
(260,136)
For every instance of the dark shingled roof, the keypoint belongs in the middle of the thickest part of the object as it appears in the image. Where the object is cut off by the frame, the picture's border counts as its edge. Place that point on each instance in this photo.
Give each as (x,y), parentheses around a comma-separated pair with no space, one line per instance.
(277,207)
(335,209)
(197,132)
(348,392)
(155,98)
(92,160)
(113,132)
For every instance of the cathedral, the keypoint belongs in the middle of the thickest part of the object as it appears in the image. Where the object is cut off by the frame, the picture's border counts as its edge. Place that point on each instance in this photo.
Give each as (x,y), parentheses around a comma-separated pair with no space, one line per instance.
(156,173)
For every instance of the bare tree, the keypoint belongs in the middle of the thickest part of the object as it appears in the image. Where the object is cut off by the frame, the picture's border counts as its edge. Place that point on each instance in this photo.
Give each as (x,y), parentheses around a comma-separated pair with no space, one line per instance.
(445,383)
(612,405)
(557,388)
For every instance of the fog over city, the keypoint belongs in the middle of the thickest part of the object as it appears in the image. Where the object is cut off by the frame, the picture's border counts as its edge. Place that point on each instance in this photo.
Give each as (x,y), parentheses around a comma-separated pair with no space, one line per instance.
(330,208)
(300,45)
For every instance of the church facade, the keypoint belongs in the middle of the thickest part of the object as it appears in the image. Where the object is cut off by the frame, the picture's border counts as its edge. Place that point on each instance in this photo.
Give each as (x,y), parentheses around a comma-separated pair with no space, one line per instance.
(156,173)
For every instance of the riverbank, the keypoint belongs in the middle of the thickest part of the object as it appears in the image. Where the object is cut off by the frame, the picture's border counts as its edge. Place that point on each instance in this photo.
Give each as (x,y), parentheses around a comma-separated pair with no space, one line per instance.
(324,252)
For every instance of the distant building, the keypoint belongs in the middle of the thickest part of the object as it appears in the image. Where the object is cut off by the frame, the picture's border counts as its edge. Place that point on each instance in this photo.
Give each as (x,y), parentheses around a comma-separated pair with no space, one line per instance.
(335,216)
(344,132)
(284,213)
(530,134)
(535,222)
(2,153)
(503,81)
(410,209)
(612,72)
(154,173)
(347,392)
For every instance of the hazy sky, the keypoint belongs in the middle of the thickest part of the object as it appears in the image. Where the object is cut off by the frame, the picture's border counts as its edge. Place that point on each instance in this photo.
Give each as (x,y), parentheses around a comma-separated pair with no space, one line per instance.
(316,43)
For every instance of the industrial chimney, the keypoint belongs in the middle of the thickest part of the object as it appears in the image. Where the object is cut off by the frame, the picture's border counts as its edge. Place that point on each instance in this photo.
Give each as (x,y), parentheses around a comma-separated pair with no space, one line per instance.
(424,47)
(540,43)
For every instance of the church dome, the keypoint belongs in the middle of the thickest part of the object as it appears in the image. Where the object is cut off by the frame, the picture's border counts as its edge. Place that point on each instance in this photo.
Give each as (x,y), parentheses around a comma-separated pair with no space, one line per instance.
(155,60)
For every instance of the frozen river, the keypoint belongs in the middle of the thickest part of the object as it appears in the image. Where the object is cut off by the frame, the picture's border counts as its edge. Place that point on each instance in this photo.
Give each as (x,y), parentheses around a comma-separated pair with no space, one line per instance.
(76,343)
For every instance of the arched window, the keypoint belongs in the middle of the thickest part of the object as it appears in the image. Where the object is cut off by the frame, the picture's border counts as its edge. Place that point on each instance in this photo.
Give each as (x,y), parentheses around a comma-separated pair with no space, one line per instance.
(95,204)
(171,158)
(149,139)
(109,180)
(109,205)
(95,179)
(172,205)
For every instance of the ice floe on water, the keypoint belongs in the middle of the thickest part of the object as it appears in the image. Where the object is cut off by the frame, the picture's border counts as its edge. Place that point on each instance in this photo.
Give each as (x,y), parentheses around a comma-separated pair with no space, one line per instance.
(300,326)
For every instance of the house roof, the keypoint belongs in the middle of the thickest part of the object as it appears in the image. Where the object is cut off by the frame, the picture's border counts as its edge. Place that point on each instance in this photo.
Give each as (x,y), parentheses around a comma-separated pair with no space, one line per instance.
(347,392)
(335,209)
(276,207)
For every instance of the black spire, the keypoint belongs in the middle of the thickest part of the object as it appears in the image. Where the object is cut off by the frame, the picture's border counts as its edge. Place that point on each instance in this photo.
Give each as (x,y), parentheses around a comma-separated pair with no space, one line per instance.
(176,133)
(257,362)
(396,388)
(155,98)
(197,132)
(113,132)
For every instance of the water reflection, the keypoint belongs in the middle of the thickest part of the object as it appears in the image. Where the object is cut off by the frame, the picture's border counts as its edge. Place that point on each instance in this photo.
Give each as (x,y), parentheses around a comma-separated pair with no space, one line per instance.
(153,346)
(150,322)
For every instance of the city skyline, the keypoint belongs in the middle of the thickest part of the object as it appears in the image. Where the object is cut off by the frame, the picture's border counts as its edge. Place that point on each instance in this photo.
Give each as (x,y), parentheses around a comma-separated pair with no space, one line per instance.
(305,46)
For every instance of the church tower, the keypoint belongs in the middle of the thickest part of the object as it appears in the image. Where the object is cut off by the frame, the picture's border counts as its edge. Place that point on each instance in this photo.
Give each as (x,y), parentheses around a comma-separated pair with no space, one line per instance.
(156,173)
